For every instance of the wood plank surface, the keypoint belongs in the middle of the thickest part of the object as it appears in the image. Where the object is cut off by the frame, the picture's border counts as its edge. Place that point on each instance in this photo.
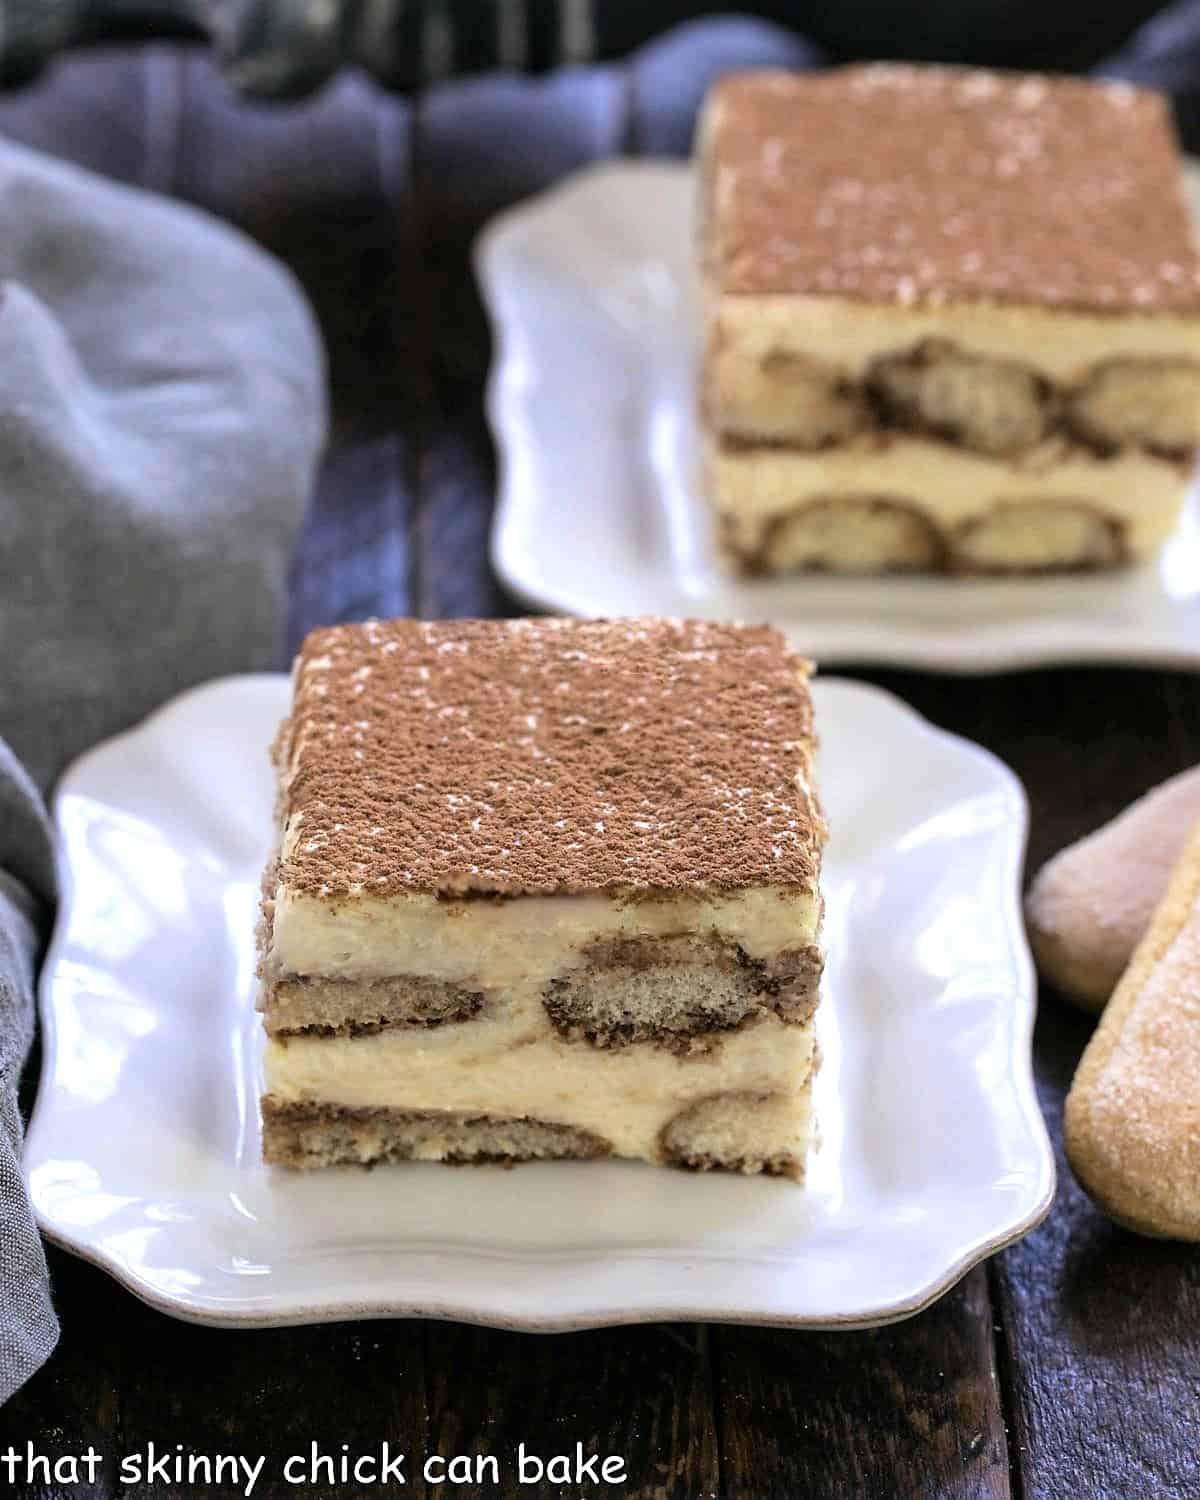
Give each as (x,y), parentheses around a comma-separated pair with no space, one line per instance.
(640,1395)
(303,1397)
(913,1409)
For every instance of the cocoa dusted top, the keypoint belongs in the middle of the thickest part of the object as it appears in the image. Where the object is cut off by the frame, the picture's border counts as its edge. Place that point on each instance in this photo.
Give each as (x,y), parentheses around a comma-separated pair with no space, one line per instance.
(539,756)
(906,184)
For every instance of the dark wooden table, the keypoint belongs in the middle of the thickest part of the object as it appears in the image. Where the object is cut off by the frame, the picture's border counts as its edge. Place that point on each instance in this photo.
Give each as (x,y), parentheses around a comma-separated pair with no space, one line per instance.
(1067,1367)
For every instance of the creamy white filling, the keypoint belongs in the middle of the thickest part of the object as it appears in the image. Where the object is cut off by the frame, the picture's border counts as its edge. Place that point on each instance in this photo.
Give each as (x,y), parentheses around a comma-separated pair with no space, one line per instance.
(508,1067)
(847,334)
(501,944)
(951,485)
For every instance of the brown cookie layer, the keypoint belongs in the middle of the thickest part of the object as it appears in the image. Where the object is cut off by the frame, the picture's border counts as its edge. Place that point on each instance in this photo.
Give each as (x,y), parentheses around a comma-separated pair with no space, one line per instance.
(920,544)
(324,1135)
(945,392)
(359,1007)
(696,1139)
(681,993)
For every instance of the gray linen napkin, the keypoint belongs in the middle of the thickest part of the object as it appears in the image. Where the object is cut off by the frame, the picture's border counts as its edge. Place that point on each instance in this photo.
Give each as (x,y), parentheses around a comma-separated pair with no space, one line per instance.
(27,1325)
(162,408)
(28,1329)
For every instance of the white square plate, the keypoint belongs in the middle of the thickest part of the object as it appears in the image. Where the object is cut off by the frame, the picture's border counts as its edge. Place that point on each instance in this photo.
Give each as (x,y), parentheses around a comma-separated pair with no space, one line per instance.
(143,1152)
(592,400)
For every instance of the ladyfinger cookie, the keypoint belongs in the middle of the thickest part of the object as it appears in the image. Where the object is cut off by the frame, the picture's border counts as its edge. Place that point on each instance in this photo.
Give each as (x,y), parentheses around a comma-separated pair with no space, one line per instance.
(1090,905)
(1133,1114)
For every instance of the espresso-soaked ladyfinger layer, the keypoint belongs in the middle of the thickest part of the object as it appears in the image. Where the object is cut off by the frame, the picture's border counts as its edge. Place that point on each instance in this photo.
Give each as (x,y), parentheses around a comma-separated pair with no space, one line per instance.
(322,1135)
(910,503)
(677,991)
(743,1131)
(860,534)
(315,1003)
(738,1131)
(681,992)
(943,389)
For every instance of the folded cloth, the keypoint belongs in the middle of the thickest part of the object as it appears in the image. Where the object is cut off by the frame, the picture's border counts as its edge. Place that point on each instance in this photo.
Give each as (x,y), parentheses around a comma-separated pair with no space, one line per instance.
(162,407)
(28,1328)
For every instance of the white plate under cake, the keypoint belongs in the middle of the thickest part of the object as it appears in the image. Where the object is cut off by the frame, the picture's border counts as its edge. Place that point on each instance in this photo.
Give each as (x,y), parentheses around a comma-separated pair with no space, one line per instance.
(144,1153)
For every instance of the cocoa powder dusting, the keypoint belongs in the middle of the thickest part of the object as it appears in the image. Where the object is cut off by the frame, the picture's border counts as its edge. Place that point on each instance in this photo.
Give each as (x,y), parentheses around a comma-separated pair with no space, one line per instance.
(924,185)
(540,756)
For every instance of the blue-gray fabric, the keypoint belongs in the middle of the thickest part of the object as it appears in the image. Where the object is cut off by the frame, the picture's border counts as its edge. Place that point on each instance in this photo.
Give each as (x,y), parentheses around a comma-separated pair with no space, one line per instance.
(162,409)
(28,1329)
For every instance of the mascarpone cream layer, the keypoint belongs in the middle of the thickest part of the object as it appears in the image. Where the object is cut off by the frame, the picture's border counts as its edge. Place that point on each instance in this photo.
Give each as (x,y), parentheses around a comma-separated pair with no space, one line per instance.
(950,485)
(627,1094)
(499,944)
(848,334)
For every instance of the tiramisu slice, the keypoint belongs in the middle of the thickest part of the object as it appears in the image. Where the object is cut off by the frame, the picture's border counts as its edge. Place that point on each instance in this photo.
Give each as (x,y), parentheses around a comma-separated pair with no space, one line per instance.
(952,320)
(544,888)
